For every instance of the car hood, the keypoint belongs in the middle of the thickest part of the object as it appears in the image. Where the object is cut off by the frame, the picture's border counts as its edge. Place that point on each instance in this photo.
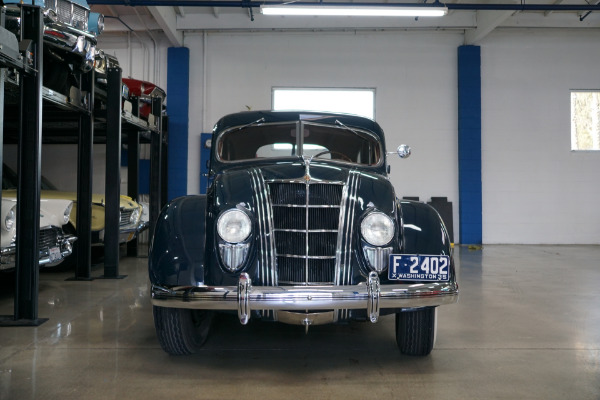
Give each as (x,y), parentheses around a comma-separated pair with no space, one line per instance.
(97,199)
(52,211)
(239,185)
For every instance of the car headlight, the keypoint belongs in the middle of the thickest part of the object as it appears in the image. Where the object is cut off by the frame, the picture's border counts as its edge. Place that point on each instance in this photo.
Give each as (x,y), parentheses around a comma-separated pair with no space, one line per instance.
(9,220)
(377,229)
(234,226)
(67,214)
(145,212)
(135,215)
(96,23)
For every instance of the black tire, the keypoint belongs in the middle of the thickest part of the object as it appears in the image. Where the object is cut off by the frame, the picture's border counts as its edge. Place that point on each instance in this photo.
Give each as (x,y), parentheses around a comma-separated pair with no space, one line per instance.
(415,331)
(181,331)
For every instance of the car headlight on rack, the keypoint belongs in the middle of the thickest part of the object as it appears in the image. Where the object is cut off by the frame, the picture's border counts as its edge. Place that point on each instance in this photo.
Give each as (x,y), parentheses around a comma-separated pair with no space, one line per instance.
(134,217)
(67,214)
(9,220)
(96,23)
(377,229)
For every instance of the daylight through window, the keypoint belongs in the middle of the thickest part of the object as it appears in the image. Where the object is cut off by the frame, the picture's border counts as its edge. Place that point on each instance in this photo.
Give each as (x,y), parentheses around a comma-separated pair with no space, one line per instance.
(350,101)
(585,120)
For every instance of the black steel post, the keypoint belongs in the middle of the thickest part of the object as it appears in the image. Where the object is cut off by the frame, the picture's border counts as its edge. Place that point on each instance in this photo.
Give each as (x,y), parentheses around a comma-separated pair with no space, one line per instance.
(155,166)
(164,181)
(29,171)
(133,171)
(112,192)
(83,245)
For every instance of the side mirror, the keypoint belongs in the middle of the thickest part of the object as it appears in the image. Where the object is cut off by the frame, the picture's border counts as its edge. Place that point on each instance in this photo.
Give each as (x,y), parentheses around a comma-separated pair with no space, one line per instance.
(403,151)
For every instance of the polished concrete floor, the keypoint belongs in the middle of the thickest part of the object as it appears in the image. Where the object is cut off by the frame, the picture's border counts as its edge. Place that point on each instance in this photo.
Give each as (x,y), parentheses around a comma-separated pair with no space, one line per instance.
(527,326)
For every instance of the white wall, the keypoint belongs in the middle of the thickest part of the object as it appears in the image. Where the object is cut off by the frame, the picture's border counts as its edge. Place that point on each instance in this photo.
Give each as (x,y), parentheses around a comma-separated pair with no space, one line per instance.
(414,75)
(535,190)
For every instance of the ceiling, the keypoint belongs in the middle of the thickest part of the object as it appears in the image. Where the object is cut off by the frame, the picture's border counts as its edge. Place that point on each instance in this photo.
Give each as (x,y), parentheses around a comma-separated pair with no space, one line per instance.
(477,20)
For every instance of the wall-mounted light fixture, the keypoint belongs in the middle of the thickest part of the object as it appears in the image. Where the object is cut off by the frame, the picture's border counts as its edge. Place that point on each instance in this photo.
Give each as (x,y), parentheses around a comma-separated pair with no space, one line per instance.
(354,10)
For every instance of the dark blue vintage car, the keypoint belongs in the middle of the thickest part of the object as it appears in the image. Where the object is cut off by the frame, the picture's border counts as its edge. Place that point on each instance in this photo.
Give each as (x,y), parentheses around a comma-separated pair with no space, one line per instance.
(300,225)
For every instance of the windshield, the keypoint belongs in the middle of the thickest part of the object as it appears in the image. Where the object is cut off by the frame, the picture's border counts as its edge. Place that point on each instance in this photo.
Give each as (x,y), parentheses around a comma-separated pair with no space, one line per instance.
(338,143)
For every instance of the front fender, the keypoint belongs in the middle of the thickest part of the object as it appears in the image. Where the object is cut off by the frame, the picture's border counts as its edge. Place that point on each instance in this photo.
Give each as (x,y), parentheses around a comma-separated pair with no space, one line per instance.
(177,251)
(424,230)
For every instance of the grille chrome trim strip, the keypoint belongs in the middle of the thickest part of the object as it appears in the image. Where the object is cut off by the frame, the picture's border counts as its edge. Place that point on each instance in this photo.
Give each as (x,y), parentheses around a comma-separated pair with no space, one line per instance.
(307,257)
(303,206)
(267,267)
(309,231)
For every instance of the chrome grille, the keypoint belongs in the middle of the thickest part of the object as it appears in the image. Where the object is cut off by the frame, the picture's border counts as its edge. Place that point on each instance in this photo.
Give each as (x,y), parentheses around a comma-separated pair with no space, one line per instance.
(71,14)
(125,216)
(305,225)
(48,237)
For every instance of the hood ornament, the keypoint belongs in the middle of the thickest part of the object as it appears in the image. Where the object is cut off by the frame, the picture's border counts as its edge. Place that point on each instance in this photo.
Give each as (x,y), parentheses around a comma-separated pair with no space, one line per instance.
(306,160)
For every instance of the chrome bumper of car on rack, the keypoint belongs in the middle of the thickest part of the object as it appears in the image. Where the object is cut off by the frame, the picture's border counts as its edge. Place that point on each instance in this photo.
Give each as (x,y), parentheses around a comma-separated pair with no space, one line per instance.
(137,228)
(370,296)
(65,244)
(63,36)
(7,257)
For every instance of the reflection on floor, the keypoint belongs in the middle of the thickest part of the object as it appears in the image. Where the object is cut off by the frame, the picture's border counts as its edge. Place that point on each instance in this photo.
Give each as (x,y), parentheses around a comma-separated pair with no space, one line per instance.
(527,326)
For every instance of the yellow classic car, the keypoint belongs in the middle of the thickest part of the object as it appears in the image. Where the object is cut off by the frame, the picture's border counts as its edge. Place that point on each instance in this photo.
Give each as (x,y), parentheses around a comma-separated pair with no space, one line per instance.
(134,216)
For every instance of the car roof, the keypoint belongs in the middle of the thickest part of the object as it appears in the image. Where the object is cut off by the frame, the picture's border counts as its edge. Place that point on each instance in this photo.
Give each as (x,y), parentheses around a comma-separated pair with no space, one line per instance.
(248,117)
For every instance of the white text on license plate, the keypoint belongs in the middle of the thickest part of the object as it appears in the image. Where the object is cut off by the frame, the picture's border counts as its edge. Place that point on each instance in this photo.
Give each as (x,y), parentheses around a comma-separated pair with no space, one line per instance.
(415,267)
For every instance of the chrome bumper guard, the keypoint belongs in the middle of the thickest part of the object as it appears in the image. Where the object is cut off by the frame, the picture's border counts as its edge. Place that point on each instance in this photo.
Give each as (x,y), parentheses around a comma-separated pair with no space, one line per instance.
(244,297)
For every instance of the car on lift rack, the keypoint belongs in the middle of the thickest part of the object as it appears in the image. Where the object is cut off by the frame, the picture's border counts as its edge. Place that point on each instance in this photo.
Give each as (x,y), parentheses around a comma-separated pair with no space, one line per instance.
(144,92)
(54,244)
(134,216)
(300,225)
(70,31)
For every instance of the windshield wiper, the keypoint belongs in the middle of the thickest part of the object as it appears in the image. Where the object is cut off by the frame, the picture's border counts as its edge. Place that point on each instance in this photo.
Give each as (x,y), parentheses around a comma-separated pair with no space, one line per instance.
(340,123)
(257,122)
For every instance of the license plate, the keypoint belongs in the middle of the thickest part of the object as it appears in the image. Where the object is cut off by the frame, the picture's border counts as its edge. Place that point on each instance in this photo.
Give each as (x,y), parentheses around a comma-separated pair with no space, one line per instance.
(416,267)
(55,254)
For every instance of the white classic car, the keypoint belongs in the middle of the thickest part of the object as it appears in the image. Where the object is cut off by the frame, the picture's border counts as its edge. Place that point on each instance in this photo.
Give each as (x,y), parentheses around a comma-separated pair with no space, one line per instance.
(54,244)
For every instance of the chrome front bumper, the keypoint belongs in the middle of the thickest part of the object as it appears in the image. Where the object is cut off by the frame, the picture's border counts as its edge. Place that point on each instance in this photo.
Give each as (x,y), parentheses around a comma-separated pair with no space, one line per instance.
(47,258)
(126,232)
(61,36)
(370,296)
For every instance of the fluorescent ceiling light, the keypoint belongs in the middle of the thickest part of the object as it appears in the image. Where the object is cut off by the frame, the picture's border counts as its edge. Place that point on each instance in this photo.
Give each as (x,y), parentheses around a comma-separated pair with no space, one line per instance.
(354,11)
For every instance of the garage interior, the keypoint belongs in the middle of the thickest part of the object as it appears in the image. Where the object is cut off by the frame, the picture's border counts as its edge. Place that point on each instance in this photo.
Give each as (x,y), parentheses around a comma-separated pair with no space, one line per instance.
(527,235)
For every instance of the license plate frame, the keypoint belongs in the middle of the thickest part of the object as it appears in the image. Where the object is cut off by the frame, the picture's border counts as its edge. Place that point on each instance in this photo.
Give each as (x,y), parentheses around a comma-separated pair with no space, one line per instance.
(419,267)
(54,254)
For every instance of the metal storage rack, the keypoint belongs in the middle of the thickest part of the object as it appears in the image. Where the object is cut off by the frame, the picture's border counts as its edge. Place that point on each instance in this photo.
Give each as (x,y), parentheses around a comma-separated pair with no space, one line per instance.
(72,121)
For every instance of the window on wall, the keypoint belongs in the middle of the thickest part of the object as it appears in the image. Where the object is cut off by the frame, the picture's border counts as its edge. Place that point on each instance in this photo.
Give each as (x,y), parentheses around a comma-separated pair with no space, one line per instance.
(344,100)
(585,120)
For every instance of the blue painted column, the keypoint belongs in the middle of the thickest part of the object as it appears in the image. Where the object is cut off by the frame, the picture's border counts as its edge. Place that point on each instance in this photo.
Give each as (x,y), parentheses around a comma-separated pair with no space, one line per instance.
(178,83)
(469,144)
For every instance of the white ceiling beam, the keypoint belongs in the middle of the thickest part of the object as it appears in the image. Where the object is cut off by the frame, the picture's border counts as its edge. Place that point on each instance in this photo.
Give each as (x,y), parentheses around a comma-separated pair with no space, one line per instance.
(179,10)
(487,21)
(167,20)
